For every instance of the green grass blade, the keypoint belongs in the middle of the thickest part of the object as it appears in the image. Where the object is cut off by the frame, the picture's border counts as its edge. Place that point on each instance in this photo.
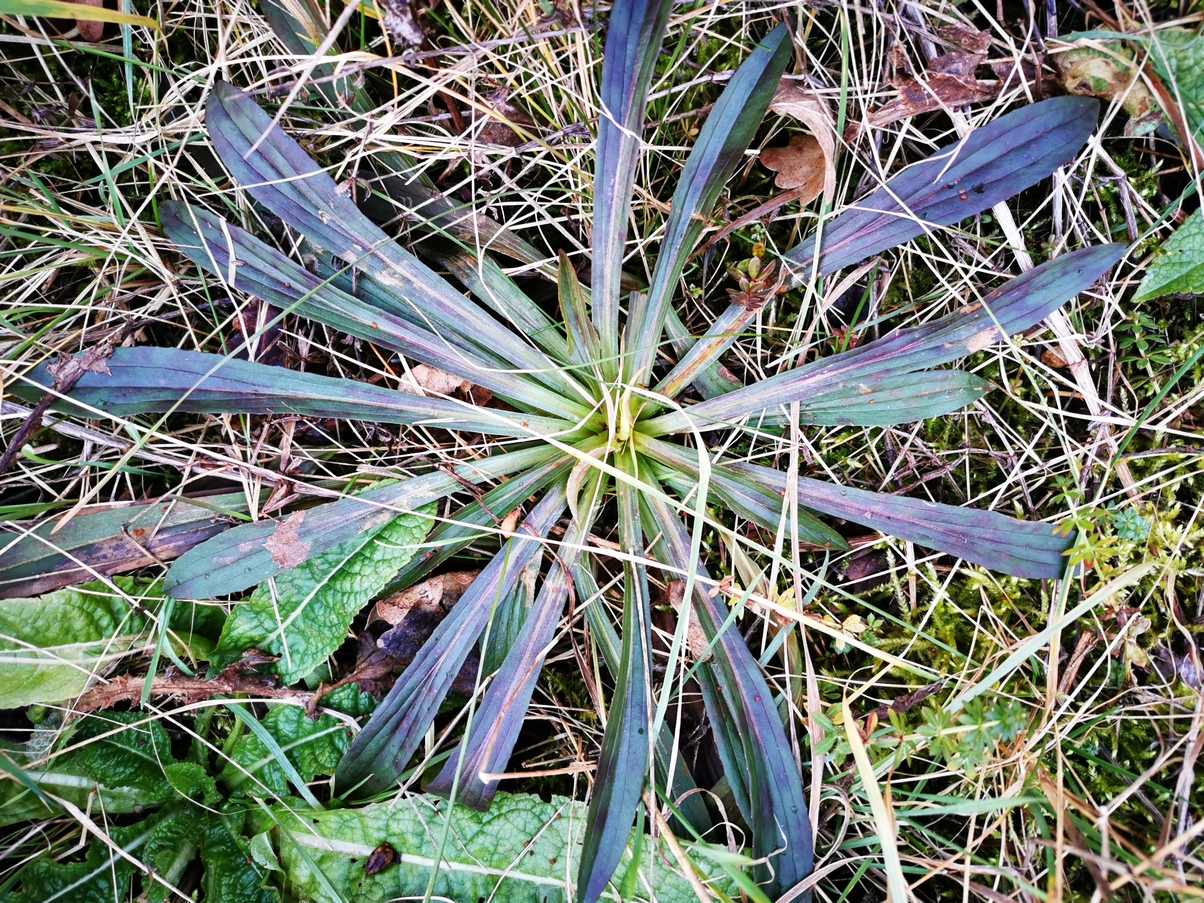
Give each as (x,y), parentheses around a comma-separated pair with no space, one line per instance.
(633,42)
(742,495)
(778,812)
(682,788)
(468,776)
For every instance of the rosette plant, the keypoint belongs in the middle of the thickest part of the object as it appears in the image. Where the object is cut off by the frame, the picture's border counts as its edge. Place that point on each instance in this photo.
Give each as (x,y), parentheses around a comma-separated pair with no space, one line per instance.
(610,419)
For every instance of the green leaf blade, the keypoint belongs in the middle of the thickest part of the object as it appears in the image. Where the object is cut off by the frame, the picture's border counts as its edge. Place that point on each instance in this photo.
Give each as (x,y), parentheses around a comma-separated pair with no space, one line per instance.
(1179,266)
(722,141)
(382,749)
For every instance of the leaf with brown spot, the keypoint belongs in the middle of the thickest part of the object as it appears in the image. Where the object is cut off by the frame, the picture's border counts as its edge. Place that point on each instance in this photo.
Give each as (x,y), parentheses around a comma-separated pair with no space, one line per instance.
(799,165)
(286,549)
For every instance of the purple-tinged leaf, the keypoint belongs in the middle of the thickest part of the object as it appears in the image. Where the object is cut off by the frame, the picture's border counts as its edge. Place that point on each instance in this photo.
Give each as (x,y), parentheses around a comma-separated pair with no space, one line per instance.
(624,763)
(1015,306)
(993,540)
(144,379)
(745,497)
(245,263)
(493,287)
(469,775)
(726,134)
(713,380)
(478,519)
(251,553)
(633,42)
(106,541)
(988,166)
(682,788)
(287,182)
(778,812)
(382,749)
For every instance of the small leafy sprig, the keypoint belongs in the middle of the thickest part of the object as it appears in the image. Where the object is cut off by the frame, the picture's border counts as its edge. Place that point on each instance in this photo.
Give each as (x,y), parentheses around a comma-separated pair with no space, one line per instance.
(595,421)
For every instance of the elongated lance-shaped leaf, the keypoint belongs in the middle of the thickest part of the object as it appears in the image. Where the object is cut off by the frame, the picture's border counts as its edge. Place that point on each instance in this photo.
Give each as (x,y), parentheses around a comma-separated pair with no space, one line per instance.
(111,540)
(285,180)
(383,747)
(468,776)
(993,540)
(251,553)
(726,134)
(584,346)
(778,817)
(704,352)
(745,497)
(988,166)
(682,788)
(710,381)
(624,762)
(301,27)
(478,519)
(501,294)
(247,264)
(1015,306)
(633,42)
(144,379)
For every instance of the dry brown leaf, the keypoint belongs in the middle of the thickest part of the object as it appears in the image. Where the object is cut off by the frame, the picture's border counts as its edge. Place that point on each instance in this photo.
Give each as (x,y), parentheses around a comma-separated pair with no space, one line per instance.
(90,30)
(947,82)
(800,165)
(440,592)
(424,380)
(801,103)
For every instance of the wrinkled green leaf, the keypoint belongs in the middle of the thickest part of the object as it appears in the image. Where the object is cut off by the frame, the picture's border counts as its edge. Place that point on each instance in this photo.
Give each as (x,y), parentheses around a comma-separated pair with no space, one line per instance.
(303,614)
(1177,55)
(313,746)
(522,850)
(1179,266)
(52,647)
